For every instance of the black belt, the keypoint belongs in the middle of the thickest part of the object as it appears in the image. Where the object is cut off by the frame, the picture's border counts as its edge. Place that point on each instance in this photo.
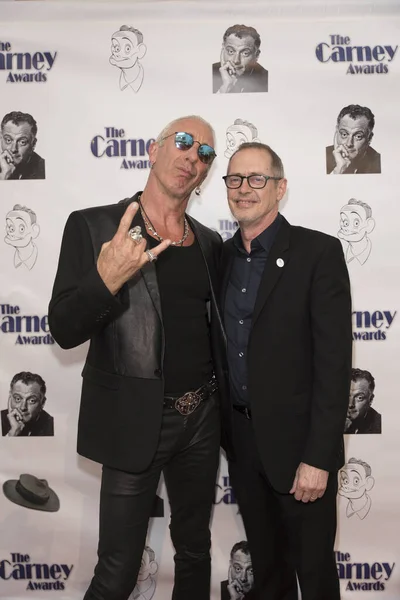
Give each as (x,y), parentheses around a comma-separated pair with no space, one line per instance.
(188,403)
(243,410)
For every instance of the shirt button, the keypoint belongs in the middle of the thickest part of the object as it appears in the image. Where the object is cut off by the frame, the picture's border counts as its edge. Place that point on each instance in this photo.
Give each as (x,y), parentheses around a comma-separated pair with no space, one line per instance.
(157,372)
(241,354)
(248,259)
(244,387)
(244,290)
(241,322)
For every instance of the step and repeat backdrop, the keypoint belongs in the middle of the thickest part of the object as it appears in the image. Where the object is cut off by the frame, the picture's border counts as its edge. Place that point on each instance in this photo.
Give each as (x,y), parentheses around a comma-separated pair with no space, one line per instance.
(84,90)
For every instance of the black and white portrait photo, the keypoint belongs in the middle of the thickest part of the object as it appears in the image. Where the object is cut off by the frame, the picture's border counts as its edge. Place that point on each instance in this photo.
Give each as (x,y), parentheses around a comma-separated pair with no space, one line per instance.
(127,50)
(356,223)
(361,417)
(25,415)
(239,70)
(240,582)
(21,231)
(352,152)
(18,137)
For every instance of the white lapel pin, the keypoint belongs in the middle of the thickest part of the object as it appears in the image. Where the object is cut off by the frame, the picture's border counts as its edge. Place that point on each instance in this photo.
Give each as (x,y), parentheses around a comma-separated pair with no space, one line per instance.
(280,262)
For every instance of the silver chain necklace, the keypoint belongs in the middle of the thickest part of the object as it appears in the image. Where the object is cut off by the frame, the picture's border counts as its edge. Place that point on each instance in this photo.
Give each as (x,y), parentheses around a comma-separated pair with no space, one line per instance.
(152,230)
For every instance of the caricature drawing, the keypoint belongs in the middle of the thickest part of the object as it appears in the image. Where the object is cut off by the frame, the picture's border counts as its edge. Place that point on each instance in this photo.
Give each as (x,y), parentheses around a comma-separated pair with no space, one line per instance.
(127,49)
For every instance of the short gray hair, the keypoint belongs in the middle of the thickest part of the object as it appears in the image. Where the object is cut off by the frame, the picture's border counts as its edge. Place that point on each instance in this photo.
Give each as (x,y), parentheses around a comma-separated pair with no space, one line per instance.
(276,162)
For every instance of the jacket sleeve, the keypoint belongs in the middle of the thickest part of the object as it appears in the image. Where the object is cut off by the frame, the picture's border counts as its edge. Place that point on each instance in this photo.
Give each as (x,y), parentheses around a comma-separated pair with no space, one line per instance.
(332,352)
(81,304)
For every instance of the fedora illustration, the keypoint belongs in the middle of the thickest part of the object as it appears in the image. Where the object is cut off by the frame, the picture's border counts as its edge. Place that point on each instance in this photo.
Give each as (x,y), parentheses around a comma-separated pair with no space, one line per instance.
(31,492)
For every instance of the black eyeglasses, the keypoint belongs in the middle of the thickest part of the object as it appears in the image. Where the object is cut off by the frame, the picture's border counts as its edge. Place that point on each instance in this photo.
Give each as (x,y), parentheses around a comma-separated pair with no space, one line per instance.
(234,182)
(184,141)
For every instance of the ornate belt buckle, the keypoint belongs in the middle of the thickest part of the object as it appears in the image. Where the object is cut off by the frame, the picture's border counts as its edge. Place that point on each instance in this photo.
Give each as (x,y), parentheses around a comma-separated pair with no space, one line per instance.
(187,403)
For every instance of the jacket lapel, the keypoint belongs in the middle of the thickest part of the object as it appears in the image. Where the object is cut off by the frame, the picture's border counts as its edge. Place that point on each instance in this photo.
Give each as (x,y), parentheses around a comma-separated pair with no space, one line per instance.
(206,250)
(149,270)
(226,267)
(277,260)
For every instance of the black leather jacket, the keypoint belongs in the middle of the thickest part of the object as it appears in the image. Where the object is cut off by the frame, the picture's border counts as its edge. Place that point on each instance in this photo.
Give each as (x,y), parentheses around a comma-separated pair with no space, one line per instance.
(122,393)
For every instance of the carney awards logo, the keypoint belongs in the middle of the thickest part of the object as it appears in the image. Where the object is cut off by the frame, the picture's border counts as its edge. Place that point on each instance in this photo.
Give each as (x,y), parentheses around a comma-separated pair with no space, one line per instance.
(37,576)
(363,576)
(227,228)
(112,144)
(28,329)
(360,59)
(372,325)
(25,67)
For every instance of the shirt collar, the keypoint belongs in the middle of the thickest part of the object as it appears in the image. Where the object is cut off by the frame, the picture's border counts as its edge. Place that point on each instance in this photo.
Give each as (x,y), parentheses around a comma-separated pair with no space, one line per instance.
(264,240)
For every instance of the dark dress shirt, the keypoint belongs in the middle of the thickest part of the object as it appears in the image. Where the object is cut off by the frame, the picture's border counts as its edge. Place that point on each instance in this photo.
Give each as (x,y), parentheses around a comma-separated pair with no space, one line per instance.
(240,299)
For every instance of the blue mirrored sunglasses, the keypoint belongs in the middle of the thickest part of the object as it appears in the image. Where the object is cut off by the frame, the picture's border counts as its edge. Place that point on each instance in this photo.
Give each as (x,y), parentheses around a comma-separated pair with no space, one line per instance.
(184,141)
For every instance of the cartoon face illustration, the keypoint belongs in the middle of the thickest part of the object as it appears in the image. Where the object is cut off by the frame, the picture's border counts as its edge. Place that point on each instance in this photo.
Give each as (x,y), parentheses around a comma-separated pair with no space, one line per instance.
(238,133)
(21,227)
(355,480)
(127,47)
(355,222)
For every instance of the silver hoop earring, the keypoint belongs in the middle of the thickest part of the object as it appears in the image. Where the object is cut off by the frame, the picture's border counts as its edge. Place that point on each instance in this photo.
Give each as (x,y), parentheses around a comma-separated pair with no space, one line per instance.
(197,191)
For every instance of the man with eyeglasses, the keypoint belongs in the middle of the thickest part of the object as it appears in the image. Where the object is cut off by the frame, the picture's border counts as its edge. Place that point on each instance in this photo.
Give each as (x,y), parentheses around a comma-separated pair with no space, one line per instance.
(287,314)
(139,279)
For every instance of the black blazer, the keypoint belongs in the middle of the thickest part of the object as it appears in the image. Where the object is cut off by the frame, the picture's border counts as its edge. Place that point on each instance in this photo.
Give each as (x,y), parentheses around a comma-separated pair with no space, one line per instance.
(299,354)
(122,392)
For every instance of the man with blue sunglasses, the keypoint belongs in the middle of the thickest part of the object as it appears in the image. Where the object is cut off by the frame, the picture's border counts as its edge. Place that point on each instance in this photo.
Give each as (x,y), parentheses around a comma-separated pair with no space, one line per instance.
(139,279)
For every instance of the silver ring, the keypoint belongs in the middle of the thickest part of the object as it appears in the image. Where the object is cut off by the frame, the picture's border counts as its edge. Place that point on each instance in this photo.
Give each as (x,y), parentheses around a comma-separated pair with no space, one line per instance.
(151,256)
(136,233)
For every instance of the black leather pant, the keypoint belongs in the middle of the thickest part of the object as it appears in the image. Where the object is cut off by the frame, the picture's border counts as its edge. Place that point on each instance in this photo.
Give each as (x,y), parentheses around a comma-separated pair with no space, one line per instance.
(188,454)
